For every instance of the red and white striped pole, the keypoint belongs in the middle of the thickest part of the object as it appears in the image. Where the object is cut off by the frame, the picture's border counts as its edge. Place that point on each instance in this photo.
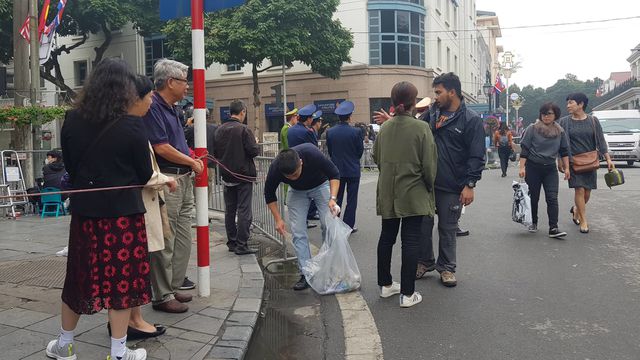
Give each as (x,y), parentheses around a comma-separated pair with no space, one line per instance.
(200,130)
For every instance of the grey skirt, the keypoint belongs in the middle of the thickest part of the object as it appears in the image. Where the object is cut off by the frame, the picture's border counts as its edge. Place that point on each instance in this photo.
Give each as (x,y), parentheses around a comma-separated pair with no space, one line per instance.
(588,180)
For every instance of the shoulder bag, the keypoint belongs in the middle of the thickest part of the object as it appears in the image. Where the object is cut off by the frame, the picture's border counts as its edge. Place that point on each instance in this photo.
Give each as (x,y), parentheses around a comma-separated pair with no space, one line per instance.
(587,161)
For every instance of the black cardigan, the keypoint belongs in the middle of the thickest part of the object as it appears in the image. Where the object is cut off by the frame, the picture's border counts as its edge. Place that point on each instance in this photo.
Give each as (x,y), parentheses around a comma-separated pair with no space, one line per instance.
(120,158)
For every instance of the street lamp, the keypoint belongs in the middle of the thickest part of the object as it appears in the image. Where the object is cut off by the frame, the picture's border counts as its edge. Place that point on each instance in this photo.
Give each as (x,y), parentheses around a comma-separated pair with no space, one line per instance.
(517,103)
(486,89)
(508,68)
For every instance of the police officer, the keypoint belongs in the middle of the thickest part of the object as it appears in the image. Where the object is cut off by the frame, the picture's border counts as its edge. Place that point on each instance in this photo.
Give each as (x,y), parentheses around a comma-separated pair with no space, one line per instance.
(303,133)
(346,145)
(292,119)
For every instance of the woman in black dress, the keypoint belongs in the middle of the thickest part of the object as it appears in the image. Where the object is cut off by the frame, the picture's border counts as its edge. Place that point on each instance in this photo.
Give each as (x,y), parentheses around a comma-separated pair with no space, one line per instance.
(585,134)
(108,263)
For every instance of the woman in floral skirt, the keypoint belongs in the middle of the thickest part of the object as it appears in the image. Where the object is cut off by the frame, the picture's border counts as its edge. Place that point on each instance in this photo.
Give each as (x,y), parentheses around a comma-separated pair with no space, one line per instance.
(108,263)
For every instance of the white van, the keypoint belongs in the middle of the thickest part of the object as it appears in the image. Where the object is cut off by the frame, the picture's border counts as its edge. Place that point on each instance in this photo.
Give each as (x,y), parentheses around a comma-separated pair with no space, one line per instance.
(622,133)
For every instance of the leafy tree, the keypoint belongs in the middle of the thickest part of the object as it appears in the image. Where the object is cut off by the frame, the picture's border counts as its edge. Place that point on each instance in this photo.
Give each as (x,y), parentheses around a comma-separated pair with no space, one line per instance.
(269,32)
(82,18)
(6,33)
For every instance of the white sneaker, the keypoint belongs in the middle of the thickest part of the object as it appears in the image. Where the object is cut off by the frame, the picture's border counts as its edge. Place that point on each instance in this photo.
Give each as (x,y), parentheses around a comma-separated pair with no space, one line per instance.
(386,292)
(60,353)
(137,354)
(63,252)
(409,301)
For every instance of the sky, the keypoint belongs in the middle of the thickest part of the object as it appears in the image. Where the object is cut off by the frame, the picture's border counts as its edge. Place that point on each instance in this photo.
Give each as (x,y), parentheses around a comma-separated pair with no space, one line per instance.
(547,53)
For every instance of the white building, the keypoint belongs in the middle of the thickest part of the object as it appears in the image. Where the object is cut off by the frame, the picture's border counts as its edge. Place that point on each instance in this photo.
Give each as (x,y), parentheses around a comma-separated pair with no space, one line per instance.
(624,88)
(394,40)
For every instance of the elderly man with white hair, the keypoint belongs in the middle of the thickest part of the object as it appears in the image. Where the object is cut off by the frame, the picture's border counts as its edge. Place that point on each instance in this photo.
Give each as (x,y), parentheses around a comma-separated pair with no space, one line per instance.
(169,266)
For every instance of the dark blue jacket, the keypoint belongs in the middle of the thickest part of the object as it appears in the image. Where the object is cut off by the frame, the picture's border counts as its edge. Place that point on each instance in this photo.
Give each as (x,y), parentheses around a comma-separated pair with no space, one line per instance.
(461,149)
(345,145)
(300,134)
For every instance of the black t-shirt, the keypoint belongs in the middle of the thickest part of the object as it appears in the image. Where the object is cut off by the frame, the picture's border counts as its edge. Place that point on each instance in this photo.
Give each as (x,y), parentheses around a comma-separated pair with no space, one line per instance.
(316,169)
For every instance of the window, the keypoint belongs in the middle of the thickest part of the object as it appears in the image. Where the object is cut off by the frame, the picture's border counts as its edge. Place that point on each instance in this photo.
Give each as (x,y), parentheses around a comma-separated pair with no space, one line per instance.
(439,53)
(396,37)
(455,64)
(448,59)
(155,48)
(234,67)
(80,71)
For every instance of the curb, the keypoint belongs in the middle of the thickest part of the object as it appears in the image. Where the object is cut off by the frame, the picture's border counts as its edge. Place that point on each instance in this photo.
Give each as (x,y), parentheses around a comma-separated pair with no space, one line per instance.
(237,329)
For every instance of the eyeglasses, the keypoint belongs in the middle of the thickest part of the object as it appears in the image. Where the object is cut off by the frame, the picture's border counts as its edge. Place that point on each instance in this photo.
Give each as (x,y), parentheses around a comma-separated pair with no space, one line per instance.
(182,80)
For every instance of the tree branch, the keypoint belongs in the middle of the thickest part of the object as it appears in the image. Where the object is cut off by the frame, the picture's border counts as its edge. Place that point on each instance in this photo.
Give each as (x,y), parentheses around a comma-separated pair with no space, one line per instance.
(108,36)
(57,81)
(267,68)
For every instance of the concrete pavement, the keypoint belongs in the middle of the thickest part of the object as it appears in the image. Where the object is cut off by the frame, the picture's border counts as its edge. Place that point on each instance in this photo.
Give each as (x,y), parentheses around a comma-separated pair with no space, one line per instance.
(520,295)
(31,279)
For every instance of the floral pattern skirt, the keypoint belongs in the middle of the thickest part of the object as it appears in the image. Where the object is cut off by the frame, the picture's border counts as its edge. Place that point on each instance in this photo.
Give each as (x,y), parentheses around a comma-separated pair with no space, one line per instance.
(107,265)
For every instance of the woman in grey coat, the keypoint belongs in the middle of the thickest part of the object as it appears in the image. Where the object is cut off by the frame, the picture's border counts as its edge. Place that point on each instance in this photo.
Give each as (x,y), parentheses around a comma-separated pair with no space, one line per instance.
(585,134)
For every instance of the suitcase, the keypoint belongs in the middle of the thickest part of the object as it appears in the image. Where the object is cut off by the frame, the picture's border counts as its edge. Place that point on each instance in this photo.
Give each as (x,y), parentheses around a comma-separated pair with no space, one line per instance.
(614,178)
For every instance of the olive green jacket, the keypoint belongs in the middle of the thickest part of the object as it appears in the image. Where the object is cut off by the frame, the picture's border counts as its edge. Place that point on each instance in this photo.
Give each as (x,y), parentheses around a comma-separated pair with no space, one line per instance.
(406,154)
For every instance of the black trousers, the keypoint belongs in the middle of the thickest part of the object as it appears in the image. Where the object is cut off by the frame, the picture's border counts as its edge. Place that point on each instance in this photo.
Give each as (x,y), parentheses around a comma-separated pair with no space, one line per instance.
(237,200)
(410,236)
(546,176)
(503,153)
(351,184)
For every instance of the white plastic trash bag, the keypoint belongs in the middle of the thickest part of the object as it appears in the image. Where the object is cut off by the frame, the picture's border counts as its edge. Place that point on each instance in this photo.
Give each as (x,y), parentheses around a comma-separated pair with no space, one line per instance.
(521,210)
(334,270)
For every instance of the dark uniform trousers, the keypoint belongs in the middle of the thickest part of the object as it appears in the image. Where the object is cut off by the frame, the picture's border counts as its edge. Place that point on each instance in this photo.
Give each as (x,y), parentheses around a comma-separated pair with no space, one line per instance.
(351,185)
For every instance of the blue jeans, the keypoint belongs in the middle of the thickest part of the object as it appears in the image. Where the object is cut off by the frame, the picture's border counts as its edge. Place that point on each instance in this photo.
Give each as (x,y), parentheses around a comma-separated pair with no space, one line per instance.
(298,204)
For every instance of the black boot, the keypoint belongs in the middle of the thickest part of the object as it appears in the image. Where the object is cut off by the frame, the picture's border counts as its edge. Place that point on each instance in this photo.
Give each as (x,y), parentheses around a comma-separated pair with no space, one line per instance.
(301,284)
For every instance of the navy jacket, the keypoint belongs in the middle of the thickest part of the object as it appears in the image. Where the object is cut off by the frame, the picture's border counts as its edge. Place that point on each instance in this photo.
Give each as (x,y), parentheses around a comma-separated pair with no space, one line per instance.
(461,149)
(345,145)
(300,134)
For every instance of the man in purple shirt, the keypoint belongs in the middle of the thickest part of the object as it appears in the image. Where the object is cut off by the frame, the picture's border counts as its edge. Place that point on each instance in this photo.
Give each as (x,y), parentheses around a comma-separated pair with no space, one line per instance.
(169,266)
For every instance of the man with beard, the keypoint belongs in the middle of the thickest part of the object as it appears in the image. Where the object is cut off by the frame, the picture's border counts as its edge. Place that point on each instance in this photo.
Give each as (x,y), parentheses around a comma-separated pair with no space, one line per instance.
(459,137)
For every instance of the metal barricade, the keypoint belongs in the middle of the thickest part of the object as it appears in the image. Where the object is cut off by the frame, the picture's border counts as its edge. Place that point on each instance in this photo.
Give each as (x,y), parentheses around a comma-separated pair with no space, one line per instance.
(262,219)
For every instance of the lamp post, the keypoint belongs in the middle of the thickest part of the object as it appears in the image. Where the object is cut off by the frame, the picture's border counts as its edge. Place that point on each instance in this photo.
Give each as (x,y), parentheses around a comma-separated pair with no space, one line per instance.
(486,89)
(517,103)
(507,68)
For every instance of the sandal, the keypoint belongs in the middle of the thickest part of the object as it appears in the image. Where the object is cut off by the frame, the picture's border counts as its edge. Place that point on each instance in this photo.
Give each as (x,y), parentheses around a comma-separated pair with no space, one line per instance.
(423,270)
(575,221)
(584,231)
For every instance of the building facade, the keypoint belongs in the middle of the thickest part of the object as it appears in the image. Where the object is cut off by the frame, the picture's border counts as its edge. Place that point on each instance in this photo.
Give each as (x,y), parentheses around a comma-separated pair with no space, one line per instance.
(394,40)
(624,93)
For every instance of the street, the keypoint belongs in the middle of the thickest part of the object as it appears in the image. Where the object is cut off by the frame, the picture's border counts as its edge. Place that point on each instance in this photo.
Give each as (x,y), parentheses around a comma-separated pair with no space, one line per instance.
(519,295)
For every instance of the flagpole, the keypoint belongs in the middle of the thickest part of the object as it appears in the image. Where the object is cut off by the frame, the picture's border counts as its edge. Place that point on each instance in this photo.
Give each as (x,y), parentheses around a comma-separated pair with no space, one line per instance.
(35,53)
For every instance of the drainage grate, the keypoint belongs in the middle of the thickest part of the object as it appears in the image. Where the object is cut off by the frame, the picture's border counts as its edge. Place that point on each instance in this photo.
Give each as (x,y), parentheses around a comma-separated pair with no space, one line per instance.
(45,272)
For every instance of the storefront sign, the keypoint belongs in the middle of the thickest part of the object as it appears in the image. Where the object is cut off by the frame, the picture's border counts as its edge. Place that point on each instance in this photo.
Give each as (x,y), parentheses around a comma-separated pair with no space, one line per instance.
(328,106)
(224,113)
(273,110)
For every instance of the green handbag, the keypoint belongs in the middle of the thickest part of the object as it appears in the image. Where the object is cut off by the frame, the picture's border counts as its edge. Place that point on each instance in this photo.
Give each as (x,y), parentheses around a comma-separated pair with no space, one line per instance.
(614,177)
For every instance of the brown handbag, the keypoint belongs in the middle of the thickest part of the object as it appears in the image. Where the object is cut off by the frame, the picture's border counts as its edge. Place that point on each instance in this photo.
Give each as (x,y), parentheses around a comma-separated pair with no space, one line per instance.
(588,161)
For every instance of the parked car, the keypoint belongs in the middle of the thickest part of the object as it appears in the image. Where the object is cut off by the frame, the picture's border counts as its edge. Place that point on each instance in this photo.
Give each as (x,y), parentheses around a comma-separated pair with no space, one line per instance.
(622,132)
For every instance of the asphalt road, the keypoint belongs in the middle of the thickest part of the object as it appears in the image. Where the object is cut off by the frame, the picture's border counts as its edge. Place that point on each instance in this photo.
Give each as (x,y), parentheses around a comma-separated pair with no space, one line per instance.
(519,295)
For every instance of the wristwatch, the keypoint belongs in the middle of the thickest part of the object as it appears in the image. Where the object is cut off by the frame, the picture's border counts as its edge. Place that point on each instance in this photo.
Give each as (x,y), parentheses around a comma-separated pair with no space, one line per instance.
(334,198)
(471,184)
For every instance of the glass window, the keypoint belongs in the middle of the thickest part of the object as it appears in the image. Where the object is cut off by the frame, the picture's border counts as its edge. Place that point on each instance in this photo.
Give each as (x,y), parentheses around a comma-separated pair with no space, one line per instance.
(234,67)
(400,39)
(155,48)
(404,20)
(415,24)
(388,21)
(388,53)
(415,55)
(403,54)
(80,71)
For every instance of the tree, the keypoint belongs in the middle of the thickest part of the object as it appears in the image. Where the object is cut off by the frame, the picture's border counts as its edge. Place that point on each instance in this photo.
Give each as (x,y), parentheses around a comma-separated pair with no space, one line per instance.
(271,32)
(82,18)
(6,33)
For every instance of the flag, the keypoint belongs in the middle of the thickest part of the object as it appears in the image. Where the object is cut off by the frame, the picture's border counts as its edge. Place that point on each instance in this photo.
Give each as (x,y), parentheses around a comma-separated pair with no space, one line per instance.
(43,18)
(47,41)
(24,30)
(499,86)
(56,20)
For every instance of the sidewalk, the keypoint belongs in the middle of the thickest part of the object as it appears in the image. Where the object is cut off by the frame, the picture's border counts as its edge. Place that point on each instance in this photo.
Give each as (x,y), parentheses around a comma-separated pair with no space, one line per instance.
(31,280)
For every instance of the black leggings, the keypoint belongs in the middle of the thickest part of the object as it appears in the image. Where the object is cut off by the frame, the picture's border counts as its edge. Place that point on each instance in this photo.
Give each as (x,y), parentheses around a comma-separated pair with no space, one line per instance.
(546,176)
(411,236)
(504,152)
